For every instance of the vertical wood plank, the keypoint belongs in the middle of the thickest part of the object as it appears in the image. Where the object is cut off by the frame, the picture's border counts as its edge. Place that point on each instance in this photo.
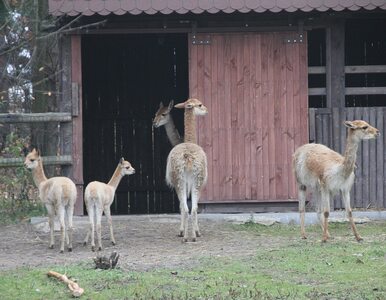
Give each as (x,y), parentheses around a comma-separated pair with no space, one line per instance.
(379,159)
(247,109)
(265,52)
(77,123)
(372,158)
(215,110)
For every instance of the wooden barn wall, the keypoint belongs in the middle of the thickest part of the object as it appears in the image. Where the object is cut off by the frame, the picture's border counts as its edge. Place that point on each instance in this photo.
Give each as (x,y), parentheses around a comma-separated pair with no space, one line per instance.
(326,127)
(255,87)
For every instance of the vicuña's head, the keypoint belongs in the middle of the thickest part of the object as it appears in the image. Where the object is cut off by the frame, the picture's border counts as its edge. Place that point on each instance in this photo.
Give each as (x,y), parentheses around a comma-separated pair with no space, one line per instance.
(198,108)
(32,159)
(361,130)
(162,116)
(126,168)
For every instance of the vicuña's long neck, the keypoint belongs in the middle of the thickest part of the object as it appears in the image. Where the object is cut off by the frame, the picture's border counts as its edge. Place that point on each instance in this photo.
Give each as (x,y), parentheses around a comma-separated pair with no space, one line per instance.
(116,178)
(38,174)
(172,133)
(190,126)
(350,155)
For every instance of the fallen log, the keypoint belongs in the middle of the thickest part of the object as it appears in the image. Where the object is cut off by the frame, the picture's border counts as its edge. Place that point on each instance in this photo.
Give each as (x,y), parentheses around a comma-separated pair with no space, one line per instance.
(72,285)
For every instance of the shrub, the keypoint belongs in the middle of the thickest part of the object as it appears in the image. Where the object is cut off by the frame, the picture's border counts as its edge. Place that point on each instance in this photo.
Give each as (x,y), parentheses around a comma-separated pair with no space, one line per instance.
(18,196)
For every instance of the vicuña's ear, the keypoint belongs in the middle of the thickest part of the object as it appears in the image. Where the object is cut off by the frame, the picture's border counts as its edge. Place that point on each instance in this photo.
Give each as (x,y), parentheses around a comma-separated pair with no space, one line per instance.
(37,151)
(350,124)
(161,105)
(122,160)
(171,104)
(180,105)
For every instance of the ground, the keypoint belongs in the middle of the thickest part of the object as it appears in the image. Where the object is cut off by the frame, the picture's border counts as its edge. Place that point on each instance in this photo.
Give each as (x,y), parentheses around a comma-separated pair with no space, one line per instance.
(143,242)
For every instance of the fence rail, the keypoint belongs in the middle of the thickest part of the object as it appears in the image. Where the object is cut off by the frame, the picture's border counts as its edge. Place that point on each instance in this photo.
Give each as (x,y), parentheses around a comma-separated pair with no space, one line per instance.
(47,160)
(34,117)
(326,127)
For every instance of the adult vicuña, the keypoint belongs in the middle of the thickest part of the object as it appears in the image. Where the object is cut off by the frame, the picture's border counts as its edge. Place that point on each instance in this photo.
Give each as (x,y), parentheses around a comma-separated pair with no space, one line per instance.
(186,168)
(58,195)
(163,117)
(98,197)
(325,172)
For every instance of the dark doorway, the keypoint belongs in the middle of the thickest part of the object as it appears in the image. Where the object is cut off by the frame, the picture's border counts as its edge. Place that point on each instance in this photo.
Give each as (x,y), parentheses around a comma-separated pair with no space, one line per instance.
(124,79)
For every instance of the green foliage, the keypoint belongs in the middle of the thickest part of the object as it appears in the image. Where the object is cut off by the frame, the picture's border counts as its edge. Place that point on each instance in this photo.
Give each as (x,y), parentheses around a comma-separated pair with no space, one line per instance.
(18,196)
(287,268)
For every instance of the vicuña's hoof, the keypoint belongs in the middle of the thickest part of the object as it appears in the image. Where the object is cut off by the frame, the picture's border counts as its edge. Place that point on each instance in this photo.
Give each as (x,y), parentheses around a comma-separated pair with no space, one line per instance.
(84,244)
(69,249)
(92,248)
(100,249)
(51,247)
(359,239)
(181,234)
(113,243)
(184,240)
(193,239)
(198,234)
(61,251)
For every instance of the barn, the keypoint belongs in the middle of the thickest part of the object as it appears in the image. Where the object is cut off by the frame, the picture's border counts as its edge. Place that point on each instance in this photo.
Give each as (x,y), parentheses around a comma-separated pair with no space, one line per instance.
(273,74)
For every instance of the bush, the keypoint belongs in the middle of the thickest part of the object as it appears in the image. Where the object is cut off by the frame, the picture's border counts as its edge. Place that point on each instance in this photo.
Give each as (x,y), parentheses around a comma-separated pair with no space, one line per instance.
(18,195)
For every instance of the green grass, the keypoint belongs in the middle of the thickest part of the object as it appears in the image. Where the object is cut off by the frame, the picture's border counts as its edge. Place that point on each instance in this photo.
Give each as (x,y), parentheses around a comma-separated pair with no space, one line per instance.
(289,268)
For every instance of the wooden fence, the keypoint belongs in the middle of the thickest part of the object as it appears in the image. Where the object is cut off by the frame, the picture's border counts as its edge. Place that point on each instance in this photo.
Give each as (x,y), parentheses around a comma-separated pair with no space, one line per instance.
(326,127)
(13,118)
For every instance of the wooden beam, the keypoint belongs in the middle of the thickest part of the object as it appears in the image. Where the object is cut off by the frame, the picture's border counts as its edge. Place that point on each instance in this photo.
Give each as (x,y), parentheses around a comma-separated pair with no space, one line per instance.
(351,69)
(34,117)
(365,69)
(47,160)
(317,91)
(366,90)
(317,70)
(77,122)
(335,73)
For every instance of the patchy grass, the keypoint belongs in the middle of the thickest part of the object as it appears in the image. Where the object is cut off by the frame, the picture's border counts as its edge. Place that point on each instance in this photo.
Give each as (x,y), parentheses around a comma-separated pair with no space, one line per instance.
(288,268)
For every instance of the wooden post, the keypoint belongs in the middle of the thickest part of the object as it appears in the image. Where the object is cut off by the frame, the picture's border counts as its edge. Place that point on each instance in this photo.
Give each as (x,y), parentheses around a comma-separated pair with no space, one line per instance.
(77,123)
(71,102)
(335,79)
(335,74)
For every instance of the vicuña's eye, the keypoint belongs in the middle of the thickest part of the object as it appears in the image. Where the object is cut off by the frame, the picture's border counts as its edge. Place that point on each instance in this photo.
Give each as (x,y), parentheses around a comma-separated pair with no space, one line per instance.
(163,115)
(32,160)
(200,105)
(365,127)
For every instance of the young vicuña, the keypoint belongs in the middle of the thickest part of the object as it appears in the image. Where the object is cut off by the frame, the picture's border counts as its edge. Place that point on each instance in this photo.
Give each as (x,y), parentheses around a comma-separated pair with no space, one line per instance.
(58,195)
(324,172)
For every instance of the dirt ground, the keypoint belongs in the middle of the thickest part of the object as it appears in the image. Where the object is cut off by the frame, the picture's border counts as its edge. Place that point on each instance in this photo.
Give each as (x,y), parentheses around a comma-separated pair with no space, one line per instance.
(143,242)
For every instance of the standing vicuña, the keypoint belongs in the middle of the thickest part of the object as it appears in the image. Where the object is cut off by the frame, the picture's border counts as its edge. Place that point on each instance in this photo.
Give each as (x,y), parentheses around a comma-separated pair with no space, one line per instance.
(186,168)
(98,197)
(325,172)
(58,195)
(163,117)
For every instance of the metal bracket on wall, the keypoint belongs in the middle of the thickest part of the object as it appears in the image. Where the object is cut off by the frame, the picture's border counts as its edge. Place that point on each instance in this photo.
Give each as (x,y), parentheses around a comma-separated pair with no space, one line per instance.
(199,39)
(296,37)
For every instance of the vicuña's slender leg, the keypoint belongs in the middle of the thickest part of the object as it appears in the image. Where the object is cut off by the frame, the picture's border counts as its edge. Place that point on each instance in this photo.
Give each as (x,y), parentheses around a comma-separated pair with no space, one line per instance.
(61,213)
(110,221)
(346,200)
(98,214)
(184,212)
(51,223)
(302,207)
(195,229)
(69,226)
(325,200)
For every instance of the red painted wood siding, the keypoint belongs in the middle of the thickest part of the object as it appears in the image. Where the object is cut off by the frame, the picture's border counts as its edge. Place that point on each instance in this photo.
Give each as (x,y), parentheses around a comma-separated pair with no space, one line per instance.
(255,87)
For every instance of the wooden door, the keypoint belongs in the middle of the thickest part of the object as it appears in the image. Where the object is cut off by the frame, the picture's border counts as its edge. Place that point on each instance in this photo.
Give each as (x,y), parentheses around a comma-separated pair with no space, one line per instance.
(255,87)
